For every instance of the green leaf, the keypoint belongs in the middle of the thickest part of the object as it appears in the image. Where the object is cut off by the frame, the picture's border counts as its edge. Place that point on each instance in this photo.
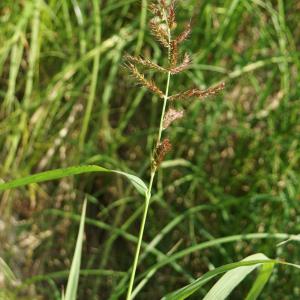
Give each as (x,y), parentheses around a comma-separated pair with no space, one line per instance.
(60,173)
(136,181)
(7,272)
(191,288)
(225,285)
(72,285)
(260,282)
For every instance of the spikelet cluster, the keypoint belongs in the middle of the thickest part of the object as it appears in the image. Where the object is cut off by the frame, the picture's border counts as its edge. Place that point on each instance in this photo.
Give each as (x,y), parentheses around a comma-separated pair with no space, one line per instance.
(161,151)
(162,27)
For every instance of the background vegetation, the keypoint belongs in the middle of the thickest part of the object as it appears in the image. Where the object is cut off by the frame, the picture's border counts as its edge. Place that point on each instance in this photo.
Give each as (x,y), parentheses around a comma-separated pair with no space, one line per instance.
(234,169)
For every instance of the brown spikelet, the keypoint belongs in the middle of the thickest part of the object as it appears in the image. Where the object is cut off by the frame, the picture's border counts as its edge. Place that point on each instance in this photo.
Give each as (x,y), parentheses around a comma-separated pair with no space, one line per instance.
(145,62)
(159,33)
(171,116)
(171,15)
(163,4)
(198,93)
(173,53)
(184,65)
(149,84)
(161,151)
(155,9)
(184,35)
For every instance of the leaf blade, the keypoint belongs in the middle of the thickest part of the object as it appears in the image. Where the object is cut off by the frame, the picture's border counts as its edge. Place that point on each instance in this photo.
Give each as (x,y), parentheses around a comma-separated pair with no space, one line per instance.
(226,284)
(70,171)
(261,281)
(191,288)
(73,279)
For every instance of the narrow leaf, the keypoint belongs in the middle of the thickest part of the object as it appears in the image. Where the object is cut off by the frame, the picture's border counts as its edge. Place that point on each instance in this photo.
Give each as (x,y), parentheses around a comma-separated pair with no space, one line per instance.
(260,282)
(191,288)
(72,285)
(225,285)
(136,181)
(60,173)
(7,272)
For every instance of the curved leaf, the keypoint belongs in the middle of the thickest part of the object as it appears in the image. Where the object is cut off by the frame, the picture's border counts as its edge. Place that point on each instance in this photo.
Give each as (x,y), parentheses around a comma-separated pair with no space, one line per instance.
(225,285)
(191,288)
(64,172)
(260,282)
(72,285)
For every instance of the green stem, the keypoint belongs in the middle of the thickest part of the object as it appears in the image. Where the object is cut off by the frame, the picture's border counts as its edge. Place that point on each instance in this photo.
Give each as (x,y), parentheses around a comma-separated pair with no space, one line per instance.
(140,238)
(147,196)
(94,77)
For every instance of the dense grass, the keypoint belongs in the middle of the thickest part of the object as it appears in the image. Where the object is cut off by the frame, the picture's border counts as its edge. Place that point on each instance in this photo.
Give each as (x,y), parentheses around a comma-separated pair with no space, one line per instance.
(234,169)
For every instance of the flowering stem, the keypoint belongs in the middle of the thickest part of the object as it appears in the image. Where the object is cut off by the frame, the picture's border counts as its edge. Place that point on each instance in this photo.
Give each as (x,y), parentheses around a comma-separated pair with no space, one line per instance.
(148,195)
(153,172)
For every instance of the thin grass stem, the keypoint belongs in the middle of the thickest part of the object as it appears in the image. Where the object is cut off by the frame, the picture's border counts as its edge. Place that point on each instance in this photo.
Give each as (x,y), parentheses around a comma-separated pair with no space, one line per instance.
(153,172)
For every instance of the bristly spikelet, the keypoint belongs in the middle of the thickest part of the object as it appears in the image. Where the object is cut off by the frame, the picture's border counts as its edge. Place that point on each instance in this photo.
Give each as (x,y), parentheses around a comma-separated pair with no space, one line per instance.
(145,62)
(171,116)
(163,4)
(184,65)
(149,84)
(185,34)
(171,15)
(161,151)
(159,32)
(155,9)
(173,53)
(198,93)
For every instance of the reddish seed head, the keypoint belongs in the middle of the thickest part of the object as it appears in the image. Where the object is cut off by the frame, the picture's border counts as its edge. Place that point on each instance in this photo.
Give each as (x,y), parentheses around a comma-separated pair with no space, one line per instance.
(161,151)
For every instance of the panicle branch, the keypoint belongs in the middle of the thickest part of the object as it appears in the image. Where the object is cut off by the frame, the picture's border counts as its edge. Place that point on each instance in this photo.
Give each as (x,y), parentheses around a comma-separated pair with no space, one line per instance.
(159,32)
(184,65)
(171,18)
(185,34)
(149,84)
(145,62)
(198,93)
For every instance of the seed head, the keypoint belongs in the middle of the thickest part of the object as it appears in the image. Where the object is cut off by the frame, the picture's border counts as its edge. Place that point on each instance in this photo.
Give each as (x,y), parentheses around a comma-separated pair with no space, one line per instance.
(145,62)
(171,15)
(185,34)
(161,151)
(184,65)
(171,116)
(159,32)
(198,93)
(149,84)
(173,53)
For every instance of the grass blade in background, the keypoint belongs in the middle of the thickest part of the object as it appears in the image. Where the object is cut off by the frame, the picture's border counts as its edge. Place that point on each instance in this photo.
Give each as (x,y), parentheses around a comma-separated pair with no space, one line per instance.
(225,285)
(6,272)
(60,173)
(75,267)
(190,289)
